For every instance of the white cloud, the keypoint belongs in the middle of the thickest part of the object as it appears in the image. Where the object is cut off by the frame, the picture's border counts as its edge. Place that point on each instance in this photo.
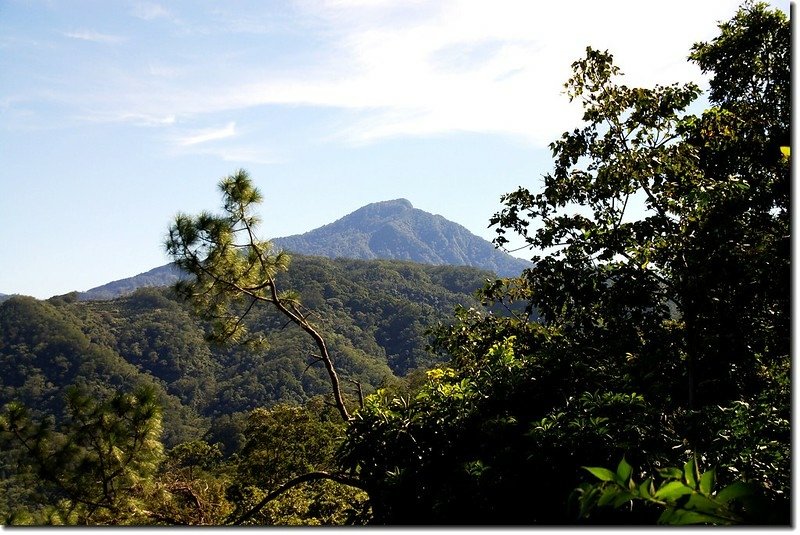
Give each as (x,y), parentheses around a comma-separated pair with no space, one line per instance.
(430,68)
(208,134)
(491,67)
(150,11)
(164,71)
(137,119)
(95,37)
(241,155)
(223,143)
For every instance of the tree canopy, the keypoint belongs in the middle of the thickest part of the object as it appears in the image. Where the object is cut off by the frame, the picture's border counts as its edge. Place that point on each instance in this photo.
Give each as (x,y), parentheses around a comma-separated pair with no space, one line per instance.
(653,325)
(637,373)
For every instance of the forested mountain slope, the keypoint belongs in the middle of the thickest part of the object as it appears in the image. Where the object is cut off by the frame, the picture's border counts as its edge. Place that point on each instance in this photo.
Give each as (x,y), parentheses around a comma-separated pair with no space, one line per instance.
(373,313)
(161,276)
(48,346)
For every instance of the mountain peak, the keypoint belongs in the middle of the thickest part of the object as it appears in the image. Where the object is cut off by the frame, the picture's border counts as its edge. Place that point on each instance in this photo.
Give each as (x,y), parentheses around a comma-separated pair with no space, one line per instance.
(394,203)
(388,230)
(396,230)
(385,208)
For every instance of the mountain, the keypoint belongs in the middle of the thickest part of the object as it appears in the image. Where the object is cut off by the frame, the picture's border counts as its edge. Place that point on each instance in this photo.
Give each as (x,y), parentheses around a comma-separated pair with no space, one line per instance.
(397,230)
(374,315)
(161,276)
(389,230)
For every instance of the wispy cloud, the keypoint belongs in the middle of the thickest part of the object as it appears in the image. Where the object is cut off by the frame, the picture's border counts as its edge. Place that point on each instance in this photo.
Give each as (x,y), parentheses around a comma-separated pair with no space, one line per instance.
(431,68)
(240,154)
(150,11)
(164,71)
(95,37)
(223,143)
(208,134)
(488,67)
(401,68)
(138,119)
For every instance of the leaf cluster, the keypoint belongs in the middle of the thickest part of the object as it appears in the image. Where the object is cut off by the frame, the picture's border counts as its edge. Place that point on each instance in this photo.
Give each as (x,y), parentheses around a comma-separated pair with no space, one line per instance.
(685,496)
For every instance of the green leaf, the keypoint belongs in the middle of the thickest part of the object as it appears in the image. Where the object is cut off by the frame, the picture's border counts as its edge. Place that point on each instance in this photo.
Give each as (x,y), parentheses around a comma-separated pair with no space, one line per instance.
(682,517)
(603,474)
(734,491)
(587,501)
(624,470)
(623,498)
(672,491)
(702,504)
(609,493)
(707,482)
(666,517)
(646,488)
(689,473)
(670,472)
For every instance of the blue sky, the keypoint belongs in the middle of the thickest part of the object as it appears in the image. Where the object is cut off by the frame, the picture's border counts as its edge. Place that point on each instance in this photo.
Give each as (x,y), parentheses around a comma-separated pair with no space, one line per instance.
(115,115)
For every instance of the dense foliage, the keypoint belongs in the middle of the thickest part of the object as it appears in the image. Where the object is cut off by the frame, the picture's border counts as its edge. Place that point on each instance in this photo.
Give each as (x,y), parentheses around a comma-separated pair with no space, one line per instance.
(376,313)
(375,316)
(662,288)
(97,463)
(651,335)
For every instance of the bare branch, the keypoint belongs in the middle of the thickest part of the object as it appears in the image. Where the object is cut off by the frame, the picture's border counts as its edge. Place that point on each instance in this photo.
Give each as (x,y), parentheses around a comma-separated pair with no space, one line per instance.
(321,345)
(360,391)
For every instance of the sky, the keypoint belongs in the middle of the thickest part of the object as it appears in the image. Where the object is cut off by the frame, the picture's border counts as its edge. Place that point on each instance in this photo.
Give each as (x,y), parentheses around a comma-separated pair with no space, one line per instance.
(116,115)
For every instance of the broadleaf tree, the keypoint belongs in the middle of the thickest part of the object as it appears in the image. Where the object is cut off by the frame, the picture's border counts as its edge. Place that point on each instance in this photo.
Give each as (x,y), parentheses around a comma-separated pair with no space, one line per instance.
(653,324)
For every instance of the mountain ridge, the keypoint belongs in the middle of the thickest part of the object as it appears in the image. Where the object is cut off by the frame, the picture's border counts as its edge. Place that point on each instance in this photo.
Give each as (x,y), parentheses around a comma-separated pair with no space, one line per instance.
(395,229)
(165,275)
(384,230)
(376,318)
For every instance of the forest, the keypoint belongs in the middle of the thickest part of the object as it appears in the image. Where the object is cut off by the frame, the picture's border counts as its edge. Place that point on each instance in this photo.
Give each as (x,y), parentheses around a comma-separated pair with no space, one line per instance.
(639,373)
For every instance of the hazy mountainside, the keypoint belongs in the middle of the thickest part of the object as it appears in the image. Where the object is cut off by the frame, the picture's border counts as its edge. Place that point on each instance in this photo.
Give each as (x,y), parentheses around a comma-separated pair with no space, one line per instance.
(373,314)
(397,230)
(161,276)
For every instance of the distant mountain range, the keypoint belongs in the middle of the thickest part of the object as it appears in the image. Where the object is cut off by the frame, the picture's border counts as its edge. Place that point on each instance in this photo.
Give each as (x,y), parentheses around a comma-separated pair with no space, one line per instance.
(389,230)
(161,276)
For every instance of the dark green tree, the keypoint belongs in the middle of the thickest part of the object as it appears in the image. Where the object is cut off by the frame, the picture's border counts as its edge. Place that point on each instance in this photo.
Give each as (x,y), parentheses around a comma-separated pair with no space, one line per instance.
(232,271)
(96,467)
(654,322)
(284,443)
(744,316)
(190,486)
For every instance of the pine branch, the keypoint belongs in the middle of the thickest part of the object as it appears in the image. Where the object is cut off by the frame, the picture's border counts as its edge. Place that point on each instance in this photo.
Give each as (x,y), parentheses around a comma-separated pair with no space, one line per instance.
(310,476)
